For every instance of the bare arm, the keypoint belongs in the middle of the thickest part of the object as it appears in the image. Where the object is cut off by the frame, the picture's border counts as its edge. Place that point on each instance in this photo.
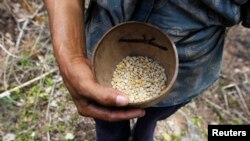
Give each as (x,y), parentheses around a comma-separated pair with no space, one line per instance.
(91,99)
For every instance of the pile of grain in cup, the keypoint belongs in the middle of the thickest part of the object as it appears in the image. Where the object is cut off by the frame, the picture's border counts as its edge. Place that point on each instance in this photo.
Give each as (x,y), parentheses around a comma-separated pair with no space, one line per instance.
(141,78)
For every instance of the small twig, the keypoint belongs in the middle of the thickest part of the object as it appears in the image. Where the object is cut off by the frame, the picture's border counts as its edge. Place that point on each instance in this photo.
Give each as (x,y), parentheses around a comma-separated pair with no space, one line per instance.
(6,4)
(228,66)
(16,78)
(245,82)
(49,100)
(27,6)
(246,79)
(232,85)
(226,100)
(7,93)
(20,35)
(47,116)
(38,38)
(225,111)
(6,51)
(4,95)
(30,17)
(48,136)
(27,20)
(5,72)
(247,88)
(243,102)
(225,96)
(41,82)
(27,130)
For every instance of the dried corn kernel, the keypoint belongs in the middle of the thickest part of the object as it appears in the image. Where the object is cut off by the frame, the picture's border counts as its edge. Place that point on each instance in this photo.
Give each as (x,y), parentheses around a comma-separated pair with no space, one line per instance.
(139,77)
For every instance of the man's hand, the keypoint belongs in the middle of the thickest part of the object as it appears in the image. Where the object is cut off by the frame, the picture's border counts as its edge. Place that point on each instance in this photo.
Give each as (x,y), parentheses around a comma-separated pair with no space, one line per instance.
(91,99)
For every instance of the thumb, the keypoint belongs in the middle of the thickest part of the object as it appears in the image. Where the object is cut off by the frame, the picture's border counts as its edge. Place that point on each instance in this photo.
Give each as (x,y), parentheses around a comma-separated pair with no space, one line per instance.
(108,96)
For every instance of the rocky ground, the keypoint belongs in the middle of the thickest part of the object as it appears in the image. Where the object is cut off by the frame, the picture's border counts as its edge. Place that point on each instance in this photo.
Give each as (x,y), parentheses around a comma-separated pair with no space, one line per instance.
(34,104)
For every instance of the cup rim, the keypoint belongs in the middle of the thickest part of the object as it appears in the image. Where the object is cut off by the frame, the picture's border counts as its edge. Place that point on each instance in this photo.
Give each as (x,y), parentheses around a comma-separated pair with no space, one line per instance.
(165,91)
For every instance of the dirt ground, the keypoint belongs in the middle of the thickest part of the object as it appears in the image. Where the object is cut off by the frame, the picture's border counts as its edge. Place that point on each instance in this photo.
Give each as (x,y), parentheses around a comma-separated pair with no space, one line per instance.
(34,104)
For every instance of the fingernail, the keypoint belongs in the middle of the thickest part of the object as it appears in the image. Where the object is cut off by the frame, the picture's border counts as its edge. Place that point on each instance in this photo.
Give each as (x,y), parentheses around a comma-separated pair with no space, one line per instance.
(121,100)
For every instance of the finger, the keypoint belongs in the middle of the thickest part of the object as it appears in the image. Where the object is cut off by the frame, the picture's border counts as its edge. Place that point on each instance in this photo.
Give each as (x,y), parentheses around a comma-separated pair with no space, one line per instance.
(109,114)
(107,96)
(85,108)
(94,110)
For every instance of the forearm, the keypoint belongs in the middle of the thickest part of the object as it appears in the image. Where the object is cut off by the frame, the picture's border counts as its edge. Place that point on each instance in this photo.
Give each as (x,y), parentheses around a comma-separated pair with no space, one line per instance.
(67,29)
(66,19)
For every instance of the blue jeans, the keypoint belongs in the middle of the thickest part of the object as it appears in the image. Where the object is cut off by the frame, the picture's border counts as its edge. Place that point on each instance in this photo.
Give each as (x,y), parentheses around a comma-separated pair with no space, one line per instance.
(143,130)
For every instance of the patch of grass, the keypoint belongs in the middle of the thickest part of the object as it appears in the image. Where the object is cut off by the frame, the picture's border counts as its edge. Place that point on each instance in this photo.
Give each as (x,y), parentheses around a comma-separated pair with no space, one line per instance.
(49,81)
(25,62)
(197,120)
(199,123)
(172,137)
(7,102)
(237,121)
(25,123)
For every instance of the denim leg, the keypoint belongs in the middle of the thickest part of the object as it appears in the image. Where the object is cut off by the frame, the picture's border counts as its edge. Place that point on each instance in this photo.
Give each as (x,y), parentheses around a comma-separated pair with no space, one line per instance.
(145,126)
(112,131)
